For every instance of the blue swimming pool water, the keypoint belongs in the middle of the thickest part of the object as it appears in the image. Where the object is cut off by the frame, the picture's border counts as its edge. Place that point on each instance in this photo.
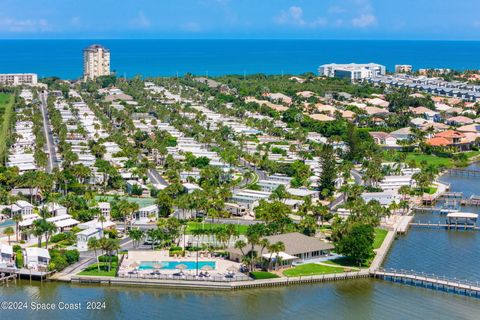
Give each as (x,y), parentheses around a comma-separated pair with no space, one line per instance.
(172,265)
(7,223)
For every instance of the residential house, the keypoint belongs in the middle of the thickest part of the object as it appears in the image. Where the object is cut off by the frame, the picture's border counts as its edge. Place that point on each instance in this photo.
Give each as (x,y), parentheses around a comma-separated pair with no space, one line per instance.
(298,247)
(36,258)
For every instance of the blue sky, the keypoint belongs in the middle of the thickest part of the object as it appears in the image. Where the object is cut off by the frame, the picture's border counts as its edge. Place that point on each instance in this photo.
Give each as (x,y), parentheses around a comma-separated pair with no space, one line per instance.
(318,19)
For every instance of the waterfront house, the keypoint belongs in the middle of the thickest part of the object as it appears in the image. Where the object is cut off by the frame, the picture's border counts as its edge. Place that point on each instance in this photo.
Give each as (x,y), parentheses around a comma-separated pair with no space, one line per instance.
(6,256)
(36,258)
(298,247)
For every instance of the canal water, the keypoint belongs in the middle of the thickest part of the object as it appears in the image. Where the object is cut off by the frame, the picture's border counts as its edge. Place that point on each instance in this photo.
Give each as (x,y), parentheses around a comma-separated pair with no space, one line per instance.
(450,253)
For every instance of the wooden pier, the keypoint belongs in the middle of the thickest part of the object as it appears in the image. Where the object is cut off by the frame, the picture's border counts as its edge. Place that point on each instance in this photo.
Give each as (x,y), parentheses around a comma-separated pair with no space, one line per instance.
(26,273)
(430,281)
(463,172)
(451,195)
(4,278)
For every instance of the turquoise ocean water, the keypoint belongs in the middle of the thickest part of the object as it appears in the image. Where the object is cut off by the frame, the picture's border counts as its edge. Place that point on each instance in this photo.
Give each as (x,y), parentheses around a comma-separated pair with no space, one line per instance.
(63,58)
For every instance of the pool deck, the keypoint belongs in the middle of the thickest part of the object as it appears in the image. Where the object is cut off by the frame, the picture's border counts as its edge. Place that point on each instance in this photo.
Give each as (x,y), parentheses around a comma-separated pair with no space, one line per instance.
(135,258)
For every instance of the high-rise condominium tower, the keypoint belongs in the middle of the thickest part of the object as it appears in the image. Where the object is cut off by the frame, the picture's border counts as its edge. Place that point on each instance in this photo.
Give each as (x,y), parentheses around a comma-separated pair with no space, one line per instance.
(96,62)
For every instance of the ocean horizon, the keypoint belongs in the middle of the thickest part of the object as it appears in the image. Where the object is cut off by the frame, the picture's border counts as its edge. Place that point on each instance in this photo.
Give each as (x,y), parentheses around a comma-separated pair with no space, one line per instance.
(214,57)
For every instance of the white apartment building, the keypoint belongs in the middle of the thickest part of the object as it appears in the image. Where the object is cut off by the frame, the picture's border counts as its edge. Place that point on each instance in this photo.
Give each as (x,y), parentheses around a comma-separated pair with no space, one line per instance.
(96,62)
(14,79)
(352,71)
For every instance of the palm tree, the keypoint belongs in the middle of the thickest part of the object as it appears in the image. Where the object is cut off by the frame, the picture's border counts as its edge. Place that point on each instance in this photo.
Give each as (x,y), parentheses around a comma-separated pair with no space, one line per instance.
(9,232)
(17,218)
(94,244)
(38,230)
(275,248)
(136,234)
(240,244)
(49,229)
(110,245)
(101,219)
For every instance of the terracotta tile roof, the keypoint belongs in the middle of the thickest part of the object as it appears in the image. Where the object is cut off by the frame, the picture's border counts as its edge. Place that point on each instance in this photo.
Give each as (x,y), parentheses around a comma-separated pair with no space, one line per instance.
(438,142)
(450,134)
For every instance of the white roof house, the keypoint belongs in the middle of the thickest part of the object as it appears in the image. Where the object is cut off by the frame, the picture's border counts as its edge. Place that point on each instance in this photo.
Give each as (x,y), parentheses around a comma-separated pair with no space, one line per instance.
(36,257)
(6,255)
(385,198)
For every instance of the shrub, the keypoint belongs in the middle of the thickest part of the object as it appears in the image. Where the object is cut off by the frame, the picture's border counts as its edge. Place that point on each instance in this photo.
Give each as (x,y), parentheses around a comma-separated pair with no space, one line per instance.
(72,256)
(58,262)
(58,237)
(106,258)
(19,259)
(16,247)
(175,248)
(177,252)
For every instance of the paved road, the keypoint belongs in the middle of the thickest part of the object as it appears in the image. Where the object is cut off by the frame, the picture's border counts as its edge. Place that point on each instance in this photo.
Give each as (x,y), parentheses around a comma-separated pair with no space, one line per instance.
(262,175)
(357,176)
(156,178)
(50,145)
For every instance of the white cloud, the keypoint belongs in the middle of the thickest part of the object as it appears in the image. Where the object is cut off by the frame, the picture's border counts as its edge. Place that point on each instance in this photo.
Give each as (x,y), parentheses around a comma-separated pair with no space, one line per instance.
(293,16)
(320,22)
(141,21)
(364,20)
(336,10)
(191,27)
(26,25)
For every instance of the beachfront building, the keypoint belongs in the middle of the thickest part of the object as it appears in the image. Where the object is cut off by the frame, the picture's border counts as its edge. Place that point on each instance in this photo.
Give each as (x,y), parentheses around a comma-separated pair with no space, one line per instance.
(403,68)
(96,62)
(352,71)
(15,79)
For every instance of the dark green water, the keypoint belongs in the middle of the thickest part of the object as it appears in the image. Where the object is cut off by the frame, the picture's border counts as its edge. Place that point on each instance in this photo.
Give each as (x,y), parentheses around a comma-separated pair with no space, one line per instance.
(449,253)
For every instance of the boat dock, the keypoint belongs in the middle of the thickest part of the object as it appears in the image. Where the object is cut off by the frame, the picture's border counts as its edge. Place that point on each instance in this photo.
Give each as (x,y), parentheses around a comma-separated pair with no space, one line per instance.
(463,287)
(26,273)
(4,278)
(444,226)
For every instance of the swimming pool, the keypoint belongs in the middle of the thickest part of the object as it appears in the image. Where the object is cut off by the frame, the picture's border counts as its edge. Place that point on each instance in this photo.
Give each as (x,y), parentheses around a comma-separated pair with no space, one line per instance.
(7,223)
(172,265)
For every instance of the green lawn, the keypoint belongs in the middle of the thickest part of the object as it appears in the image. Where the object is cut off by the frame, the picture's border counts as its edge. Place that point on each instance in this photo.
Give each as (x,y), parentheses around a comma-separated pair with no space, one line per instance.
(259,275)
(380,235)
(471,154)
(192,225)
(430,159)
(311,269)
(344,262)
(6,112)
(93,270)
